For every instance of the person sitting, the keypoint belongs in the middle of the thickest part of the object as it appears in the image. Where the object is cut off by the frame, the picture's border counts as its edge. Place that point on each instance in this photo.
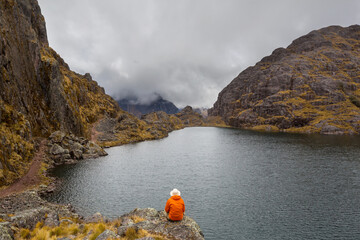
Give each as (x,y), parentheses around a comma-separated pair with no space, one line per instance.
(175,206)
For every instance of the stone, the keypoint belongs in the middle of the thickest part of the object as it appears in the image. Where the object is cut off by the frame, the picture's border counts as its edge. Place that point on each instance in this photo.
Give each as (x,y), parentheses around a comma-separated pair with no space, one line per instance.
(56,149)
(107,234)
(77,154)
(57,137)
(29,218)
(146,238)
(97,217)
(6,233)
(52,220)
(157,222)
(147,213)
(66,221)
(94,149)
(127,221)
(122,230)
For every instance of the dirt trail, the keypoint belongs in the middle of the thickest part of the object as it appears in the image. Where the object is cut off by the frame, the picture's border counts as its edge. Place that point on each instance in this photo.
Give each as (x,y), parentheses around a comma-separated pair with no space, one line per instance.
(31,178)
(94,132)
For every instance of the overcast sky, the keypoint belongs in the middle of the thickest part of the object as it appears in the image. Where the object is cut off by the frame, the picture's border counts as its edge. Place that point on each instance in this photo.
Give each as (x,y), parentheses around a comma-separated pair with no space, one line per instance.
(185,50)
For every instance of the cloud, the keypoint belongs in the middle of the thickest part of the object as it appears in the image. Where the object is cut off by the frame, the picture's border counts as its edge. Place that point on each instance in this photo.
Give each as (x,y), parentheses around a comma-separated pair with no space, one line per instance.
(187,51)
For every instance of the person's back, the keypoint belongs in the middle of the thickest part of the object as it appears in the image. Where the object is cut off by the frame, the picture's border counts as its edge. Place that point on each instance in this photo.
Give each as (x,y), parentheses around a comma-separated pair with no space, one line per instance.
(175,206)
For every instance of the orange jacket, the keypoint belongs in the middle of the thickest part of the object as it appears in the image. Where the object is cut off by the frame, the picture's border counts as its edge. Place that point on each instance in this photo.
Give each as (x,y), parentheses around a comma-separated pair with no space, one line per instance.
(175,206)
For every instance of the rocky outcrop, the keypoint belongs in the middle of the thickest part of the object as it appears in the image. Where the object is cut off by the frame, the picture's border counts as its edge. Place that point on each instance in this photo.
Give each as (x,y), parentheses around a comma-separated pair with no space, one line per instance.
(25,212)
(67,148)
(157,222)
(312,86)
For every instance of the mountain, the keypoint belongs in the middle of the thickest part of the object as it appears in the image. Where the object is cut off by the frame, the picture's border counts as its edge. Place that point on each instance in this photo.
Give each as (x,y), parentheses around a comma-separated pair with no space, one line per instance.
(133,106)
(312,86)
(41,97)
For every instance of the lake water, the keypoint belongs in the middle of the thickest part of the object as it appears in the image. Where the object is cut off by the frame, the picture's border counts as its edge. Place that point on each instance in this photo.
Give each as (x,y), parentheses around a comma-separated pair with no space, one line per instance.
(236,184)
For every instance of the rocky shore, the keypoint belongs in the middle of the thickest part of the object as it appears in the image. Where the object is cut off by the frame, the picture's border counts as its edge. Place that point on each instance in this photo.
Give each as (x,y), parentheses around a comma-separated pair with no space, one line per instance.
(25,215)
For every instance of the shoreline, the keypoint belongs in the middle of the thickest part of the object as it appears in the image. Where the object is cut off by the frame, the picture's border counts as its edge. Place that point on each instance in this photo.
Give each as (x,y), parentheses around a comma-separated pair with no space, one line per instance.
(24,208)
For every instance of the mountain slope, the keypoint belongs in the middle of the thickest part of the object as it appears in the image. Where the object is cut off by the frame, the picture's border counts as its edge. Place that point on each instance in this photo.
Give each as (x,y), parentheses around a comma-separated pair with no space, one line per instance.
(160,104)
(312,86)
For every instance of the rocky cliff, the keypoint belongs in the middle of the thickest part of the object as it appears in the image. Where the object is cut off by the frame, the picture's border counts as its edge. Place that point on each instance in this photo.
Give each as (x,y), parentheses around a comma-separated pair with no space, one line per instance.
(312,86)
(38,92)
(40,95)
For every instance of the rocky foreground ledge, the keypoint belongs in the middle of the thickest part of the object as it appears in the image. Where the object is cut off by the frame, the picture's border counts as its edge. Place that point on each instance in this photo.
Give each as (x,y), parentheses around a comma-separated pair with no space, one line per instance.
(27,216)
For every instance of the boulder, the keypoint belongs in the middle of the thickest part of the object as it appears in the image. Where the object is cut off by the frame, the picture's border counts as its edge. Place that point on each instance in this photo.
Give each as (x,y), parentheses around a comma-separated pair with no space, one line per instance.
(97,217)
(56,150)
(156,221)
(52,220)
(29,218)
(107,234)
(57,137)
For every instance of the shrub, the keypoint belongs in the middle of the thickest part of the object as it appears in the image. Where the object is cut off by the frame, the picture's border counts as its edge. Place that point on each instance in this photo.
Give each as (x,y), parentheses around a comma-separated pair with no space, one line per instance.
(25,233)
(41,234)
(58,231)
(131,233)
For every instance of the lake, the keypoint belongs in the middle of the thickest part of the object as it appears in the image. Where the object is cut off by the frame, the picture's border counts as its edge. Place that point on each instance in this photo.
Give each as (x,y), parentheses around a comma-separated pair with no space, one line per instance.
(236,184)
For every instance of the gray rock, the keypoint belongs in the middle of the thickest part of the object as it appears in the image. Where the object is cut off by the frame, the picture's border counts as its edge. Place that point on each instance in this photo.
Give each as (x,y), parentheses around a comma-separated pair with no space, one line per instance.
(6,233)
(127,222)
(145,238)
(29,218)
(94,149)
(106,235)
(158,222)
(77,154)
(97,217)
(57,137)
(52,220)
(67,221)
(56,149)
(147,213)
(87,237)
(121,231)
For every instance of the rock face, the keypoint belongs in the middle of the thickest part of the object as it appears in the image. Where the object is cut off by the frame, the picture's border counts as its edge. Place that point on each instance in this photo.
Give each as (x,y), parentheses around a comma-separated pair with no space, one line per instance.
(39,95)
(67,148)
(312,86)
(132,106)
(38,92)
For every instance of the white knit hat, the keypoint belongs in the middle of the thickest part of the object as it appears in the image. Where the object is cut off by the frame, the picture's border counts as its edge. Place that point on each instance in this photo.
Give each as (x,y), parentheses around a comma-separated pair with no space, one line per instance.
(175,192)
